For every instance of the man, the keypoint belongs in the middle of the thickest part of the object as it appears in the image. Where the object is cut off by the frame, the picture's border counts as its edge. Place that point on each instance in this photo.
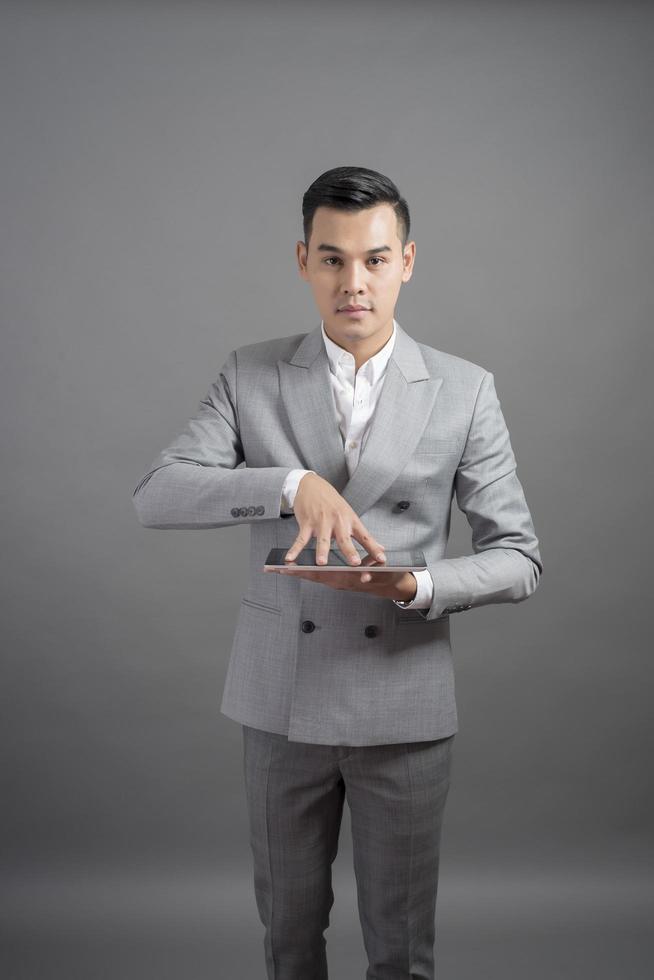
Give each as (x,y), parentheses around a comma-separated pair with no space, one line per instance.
(343,681)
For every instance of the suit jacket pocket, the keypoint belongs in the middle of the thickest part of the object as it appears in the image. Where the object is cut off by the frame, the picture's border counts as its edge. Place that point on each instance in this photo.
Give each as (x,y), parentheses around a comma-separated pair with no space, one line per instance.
(411,617)
(261,605)
(435,445)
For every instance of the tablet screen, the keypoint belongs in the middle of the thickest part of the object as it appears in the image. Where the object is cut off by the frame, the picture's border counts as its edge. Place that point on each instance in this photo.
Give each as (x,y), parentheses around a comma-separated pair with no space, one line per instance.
(396,561)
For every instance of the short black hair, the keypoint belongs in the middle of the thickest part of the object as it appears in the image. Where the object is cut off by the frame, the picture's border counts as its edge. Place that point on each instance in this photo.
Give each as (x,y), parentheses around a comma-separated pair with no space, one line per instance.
(354,189)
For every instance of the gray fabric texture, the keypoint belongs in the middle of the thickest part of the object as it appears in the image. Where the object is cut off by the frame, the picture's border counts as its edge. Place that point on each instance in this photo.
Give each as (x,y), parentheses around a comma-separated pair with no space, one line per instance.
(396,795)
(304,661)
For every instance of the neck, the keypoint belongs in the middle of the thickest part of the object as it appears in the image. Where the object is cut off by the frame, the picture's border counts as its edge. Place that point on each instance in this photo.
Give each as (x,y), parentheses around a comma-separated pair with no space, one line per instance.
(362,349)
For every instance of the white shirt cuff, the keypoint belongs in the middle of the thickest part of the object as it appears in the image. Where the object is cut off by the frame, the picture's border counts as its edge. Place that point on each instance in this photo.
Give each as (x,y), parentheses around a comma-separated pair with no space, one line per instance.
(424,592)
(290,489)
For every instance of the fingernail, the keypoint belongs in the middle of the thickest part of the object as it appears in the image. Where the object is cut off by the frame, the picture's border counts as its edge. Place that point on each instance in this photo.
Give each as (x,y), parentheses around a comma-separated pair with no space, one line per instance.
(381,556)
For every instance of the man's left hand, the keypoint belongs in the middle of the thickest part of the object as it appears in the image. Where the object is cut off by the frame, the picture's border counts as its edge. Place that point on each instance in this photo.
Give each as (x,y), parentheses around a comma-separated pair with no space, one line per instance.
(389,585)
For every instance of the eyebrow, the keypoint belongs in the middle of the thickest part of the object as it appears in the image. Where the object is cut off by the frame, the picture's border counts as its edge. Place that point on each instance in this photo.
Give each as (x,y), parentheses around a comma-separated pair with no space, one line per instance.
(334,248)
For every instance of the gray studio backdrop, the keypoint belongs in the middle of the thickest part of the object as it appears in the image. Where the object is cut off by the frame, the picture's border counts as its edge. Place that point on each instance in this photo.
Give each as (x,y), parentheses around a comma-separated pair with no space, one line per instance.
(154,156)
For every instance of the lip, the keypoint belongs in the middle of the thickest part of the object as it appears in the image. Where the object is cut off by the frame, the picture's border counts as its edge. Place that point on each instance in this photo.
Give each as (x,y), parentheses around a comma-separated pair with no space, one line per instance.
(354,309)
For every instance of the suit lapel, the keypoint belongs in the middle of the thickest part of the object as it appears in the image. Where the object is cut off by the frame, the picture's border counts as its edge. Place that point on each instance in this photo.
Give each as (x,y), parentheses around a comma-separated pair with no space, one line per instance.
(306,392)
(405,404)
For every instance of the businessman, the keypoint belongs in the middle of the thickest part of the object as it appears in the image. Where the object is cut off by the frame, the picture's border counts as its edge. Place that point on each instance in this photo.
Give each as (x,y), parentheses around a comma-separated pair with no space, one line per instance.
(351,436)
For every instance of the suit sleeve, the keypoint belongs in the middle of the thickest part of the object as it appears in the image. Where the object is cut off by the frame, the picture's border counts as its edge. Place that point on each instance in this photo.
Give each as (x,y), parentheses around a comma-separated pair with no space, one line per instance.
(506,565)
(197,481)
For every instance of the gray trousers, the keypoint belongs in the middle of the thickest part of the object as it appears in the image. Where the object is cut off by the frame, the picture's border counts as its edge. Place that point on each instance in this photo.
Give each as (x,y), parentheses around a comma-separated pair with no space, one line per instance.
(396,794)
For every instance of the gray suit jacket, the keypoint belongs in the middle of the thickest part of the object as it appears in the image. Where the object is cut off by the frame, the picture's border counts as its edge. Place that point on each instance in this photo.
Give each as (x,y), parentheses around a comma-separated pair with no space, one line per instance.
(331,666)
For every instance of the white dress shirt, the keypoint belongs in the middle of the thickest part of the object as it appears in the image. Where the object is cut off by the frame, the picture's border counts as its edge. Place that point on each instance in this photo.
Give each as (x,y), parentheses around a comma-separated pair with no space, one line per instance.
(355,398)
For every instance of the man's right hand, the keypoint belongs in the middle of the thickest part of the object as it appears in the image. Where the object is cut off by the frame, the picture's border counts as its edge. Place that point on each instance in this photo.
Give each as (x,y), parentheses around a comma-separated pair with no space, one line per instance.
(322,513)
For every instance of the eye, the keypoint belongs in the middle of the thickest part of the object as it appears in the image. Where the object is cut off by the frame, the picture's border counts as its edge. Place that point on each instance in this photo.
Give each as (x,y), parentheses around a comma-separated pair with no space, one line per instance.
(336,259)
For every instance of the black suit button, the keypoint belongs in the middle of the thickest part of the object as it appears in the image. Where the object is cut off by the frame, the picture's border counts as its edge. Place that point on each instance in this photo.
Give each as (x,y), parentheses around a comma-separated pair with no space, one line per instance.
(235,512)
(260,509)
(243,511)
(308,626)
(404,504)
(251,511)
(371,631)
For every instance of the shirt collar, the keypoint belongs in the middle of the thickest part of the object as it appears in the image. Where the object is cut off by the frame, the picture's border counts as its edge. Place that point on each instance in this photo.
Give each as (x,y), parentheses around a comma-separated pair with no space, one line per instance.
(374,367)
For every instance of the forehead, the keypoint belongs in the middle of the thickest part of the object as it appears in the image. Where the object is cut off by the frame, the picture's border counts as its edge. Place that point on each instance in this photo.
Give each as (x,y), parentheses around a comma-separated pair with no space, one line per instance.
(355,229)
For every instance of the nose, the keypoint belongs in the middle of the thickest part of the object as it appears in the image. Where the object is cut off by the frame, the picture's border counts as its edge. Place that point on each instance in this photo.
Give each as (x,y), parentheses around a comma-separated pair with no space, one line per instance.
(353,281)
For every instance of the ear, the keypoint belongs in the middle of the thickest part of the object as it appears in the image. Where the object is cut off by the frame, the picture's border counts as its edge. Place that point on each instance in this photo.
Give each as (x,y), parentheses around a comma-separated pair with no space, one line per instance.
(408,258)
(301,256)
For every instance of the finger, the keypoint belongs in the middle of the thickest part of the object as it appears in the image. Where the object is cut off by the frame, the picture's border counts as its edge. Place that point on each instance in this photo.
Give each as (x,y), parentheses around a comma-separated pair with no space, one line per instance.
(323,542)
(348,549)
(371,560)
(301,540)
(372,545)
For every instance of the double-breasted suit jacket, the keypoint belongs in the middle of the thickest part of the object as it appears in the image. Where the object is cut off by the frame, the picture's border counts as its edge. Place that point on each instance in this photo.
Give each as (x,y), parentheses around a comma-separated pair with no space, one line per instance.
(332,666)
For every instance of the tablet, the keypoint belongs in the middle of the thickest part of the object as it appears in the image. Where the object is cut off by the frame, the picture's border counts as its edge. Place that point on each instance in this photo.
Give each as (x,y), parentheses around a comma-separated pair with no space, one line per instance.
(396,561)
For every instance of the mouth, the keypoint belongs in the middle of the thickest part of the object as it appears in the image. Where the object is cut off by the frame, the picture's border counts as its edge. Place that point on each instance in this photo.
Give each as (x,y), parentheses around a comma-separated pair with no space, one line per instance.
(354,309)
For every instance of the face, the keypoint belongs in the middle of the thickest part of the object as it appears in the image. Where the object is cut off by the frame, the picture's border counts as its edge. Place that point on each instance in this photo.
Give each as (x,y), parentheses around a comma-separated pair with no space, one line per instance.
(356,259)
